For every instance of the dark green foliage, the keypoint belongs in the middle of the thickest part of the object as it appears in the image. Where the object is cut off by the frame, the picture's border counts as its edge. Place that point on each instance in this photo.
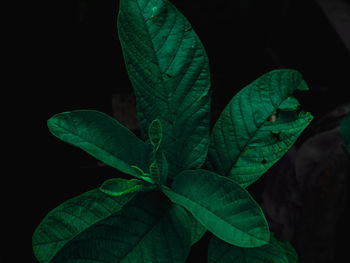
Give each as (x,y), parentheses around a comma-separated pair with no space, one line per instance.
(170,204)
(257,127)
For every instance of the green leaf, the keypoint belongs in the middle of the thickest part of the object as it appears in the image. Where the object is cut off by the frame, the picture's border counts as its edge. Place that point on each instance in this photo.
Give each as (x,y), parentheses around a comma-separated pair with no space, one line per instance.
(222,206)
(104,138)
(257,127)
(169,70)
(289,104)
(159,166)
(345,129)
(222,252)
(120,186)
(155,133)
(64,223)
(148,229)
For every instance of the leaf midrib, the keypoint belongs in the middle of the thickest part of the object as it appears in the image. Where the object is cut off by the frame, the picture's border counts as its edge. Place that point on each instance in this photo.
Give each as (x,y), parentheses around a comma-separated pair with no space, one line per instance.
(154,51)
(220,219)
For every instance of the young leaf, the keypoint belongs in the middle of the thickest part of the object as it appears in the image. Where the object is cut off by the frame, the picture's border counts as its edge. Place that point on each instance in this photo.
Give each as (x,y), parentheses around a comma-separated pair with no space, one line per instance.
(68,220)
(222,252)
(169,70)
(104,138)
(120,186)
(345,129)
(257,127)
(147,229)
(222,206)
(155,133)
(159,167)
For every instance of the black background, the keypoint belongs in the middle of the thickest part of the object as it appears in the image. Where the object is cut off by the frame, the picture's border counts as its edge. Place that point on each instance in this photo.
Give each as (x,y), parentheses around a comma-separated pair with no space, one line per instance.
(71,59)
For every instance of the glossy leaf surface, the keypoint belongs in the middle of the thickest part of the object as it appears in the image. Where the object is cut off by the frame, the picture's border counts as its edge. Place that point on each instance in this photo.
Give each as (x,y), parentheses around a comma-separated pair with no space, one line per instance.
(222,206)
(104,138)
(222,252)
(71,218)
(168,68)
(120,186)
(257,127)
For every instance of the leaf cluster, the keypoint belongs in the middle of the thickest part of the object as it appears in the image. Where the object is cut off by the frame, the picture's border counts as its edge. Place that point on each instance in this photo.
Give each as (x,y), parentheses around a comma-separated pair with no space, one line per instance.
(172,201)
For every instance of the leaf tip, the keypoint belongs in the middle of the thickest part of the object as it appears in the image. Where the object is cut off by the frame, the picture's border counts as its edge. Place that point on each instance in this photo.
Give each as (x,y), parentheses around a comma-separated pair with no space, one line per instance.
(54,123)
(303,86)
(155,132)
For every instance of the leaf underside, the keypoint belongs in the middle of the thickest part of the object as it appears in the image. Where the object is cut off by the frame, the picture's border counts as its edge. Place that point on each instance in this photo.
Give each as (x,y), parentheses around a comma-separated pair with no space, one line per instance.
(257,127)
(222,206)
(169,71)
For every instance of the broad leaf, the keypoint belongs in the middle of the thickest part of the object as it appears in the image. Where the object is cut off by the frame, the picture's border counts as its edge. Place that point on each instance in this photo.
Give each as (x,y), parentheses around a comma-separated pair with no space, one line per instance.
(168,68)
(120,186)
(257,127)
(148,229)
(104,138)
(222,206)
(159,167)
(222,252)
(345,129)
(64,223)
